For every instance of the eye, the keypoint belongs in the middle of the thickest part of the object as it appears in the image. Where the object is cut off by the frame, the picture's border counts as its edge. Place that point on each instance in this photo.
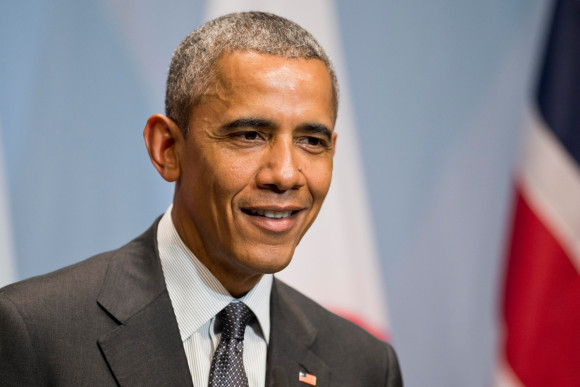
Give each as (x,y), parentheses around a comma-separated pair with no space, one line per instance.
(247,138)
(313,143)
(250,136)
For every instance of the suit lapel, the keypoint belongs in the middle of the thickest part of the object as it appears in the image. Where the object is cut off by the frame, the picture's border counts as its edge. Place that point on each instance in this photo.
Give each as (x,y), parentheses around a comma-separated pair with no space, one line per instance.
(291,339)
(146,348)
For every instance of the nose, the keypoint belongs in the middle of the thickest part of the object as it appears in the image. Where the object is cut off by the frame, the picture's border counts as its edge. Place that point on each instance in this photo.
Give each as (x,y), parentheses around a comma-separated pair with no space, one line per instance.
(280,169)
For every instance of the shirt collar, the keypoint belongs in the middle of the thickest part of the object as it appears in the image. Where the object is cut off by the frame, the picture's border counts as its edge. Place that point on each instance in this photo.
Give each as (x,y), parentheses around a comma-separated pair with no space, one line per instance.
(195,293)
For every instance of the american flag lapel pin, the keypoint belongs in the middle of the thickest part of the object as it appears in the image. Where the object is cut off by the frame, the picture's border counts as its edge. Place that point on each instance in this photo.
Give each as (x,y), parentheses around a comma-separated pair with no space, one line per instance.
(307,378)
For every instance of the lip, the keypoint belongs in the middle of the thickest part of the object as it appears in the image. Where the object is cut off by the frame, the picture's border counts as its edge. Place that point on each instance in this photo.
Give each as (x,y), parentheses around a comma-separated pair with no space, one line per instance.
(277,225)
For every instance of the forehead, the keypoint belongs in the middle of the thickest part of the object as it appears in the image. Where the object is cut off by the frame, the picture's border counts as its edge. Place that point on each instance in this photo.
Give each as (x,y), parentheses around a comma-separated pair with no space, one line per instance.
(250,71)
(247,63)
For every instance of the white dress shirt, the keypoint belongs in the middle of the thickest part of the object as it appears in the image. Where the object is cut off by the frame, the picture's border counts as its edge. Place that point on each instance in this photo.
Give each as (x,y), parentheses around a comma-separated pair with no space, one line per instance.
(197,296)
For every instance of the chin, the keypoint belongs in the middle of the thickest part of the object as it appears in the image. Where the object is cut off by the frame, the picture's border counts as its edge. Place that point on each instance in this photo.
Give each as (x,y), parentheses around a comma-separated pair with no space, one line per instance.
(267,261)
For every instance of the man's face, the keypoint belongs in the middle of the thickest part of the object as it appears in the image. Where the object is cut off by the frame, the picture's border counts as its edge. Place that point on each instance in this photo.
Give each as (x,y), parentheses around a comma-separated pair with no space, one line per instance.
(257,163)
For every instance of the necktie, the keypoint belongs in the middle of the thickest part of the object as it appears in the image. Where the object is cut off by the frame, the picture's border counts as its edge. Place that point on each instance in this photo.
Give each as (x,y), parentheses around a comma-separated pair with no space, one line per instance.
(227,366)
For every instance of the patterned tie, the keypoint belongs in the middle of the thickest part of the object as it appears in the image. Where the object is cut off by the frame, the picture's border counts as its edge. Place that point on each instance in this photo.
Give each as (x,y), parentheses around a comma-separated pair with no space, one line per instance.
(227,366)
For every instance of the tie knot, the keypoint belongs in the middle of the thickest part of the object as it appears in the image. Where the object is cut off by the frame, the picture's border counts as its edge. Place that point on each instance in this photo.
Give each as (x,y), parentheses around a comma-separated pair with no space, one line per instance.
(235,317)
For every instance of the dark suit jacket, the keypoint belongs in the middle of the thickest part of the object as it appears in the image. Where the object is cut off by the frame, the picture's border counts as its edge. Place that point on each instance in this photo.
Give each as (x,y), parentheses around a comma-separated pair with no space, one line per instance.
(109,321)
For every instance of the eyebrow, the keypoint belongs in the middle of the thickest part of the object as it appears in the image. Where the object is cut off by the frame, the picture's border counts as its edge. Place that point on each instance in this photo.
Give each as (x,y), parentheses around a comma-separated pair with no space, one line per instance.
(248,123)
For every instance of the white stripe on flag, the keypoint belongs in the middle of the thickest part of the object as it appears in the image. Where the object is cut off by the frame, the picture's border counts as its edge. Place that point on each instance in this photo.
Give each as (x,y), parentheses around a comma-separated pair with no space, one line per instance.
(551,183)
(7,271)
(337,262)
(506,376)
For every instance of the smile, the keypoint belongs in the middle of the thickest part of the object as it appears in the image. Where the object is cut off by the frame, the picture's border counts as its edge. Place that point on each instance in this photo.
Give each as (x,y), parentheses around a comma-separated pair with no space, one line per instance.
(270,214)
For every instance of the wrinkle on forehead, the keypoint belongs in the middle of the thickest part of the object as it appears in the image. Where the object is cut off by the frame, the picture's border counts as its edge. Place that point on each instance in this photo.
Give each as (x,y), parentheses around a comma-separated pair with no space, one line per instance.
(276,73)
(241,75)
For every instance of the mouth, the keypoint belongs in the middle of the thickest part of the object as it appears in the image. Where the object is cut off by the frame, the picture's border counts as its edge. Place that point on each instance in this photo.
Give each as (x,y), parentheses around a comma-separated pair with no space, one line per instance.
(271,214)
(274,219)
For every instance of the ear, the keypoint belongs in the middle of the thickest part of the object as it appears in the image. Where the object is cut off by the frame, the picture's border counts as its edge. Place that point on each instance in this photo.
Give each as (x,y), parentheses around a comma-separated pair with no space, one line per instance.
(163,139)
(334,136)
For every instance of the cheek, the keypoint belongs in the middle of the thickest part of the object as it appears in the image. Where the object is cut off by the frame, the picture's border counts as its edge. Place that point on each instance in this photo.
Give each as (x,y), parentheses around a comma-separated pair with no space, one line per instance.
(319,179)
(230,174)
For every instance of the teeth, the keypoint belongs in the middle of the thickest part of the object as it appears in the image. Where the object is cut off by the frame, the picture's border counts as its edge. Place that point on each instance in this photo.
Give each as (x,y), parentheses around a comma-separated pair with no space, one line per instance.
(272,214)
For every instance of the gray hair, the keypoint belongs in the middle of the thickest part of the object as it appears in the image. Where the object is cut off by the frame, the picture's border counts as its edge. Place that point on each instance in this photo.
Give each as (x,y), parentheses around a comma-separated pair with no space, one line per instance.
(191,69)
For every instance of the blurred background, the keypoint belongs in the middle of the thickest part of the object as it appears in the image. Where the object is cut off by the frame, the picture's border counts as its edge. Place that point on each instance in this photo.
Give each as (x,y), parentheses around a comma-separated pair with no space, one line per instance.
(438,91)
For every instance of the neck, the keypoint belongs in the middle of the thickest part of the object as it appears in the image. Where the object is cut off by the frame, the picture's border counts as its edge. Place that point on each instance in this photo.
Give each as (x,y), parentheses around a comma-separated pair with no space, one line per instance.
(234,278)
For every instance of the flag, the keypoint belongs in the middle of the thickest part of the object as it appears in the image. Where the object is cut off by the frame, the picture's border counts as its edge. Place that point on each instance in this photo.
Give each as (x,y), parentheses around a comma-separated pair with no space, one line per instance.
(336,263)
(541,306)
(7,272)
(307,378)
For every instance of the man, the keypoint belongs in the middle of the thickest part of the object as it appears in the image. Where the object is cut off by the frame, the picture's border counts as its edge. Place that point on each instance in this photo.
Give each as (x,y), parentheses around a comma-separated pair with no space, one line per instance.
(249,140)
